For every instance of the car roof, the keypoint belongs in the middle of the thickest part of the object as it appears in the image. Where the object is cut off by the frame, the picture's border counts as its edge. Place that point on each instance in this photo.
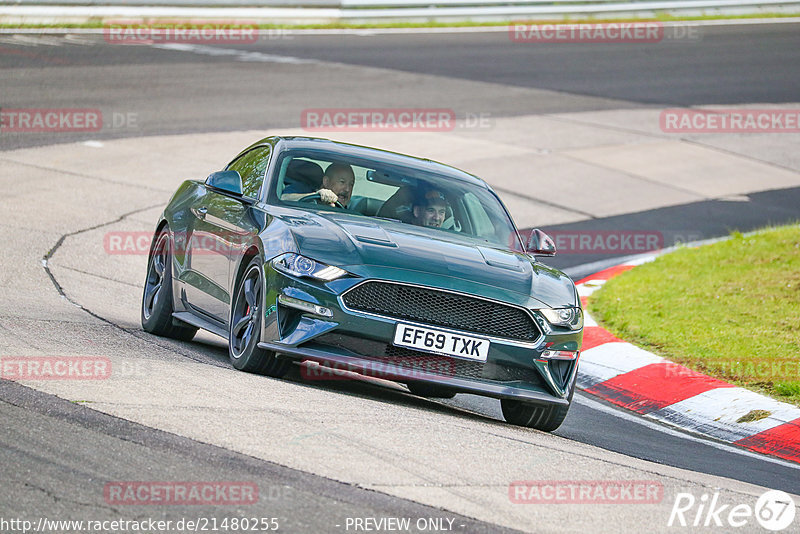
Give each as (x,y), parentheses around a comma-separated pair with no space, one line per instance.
(347,149)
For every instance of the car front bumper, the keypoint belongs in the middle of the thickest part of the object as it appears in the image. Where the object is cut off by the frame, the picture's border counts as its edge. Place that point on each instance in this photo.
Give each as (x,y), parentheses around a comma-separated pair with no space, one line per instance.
(362,342)
(510,390)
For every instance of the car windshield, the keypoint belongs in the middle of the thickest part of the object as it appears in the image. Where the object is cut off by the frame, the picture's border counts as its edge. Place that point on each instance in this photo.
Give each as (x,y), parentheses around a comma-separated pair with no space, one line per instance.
(432,202)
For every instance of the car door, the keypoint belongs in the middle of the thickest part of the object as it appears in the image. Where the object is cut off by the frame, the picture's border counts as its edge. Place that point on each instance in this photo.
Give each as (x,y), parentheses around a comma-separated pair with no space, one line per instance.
(222,223)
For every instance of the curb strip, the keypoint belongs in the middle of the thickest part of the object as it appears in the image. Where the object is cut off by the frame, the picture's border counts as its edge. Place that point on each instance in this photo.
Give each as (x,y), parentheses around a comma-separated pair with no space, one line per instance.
(659,389)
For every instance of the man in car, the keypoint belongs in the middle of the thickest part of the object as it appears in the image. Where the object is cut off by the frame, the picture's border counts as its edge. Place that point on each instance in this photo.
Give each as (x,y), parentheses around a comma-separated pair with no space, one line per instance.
(430,208)
(337,185)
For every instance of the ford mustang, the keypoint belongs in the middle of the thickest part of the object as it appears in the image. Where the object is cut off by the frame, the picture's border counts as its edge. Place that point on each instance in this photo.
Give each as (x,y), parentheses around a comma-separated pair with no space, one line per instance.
(368,261)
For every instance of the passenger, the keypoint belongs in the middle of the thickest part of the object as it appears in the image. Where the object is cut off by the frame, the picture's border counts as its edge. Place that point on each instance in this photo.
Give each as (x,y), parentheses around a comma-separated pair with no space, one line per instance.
(430,209)
(337,185)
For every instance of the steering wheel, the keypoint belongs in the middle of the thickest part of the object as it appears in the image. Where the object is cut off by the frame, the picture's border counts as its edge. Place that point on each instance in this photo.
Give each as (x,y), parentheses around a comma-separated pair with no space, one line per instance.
(318,198)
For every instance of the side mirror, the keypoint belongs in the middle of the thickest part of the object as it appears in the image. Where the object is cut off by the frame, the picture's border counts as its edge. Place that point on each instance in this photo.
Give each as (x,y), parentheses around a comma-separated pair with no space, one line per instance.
(228,181)
(540,244)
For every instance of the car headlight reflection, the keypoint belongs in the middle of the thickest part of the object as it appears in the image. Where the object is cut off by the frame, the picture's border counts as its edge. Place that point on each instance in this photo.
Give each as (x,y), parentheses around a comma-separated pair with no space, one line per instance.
(300,266)
(571,318)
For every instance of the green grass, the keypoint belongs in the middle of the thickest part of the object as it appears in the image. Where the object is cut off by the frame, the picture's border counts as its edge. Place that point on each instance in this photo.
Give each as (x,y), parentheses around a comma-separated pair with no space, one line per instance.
(730,309)
(661,17)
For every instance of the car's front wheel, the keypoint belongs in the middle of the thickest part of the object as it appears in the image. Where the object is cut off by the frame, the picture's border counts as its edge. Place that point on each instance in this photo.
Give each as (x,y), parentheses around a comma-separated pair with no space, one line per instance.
(245,327)
(546,417)
(157,304)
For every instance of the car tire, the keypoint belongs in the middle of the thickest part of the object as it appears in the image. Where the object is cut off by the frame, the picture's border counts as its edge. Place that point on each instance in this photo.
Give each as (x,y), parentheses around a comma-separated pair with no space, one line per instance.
(157,305)
(244,327)
(545,417)
(423,389)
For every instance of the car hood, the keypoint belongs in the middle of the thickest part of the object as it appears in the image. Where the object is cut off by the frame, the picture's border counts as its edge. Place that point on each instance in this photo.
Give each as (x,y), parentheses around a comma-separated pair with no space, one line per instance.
(375,248)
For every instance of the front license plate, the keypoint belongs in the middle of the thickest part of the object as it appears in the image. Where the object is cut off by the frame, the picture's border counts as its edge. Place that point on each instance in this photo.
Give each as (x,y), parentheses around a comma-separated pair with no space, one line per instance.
(441,342)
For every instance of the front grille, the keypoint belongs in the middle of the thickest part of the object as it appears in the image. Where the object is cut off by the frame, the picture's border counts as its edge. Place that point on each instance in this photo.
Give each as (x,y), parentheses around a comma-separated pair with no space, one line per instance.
(429,363)
(432,363)
(441,308)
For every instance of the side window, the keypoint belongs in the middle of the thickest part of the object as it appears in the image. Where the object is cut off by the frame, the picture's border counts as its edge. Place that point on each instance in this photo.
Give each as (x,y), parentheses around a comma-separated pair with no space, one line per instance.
(251,167)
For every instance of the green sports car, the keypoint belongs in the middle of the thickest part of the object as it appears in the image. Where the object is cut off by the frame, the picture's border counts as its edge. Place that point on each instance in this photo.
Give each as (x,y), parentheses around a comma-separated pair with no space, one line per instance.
(364,260)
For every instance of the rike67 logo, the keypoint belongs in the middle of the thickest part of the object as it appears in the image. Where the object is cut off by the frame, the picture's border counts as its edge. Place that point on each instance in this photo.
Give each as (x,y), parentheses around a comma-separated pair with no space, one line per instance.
(774,510)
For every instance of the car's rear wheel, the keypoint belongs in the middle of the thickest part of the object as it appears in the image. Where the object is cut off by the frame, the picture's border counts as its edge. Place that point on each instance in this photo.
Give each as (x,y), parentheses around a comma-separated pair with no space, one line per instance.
(244,330)
(423,389)
(157,306)
(546,417)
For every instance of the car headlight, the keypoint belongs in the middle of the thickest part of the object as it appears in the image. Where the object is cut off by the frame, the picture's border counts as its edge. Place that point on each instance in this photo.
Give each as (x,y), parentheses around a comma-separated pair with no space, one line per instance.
(571,318)
(300,266)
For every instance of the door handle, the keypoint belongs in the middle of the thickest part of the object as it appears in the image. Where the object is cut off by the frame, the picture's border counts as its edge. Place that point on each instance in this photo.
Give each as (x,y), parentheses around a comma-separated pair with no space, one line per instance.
(201,212)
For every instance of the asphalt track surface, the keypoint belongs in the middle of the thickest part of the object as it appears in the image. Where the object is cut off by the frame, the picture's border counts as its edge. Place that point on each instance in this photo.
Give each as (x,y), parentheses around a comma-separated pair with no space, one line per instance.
(174,91)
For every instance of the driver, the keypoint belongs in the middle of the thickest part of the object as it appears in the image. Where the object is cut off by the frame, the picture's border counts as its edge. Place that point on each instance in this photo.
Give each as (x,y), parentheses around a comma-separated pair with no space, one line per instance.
(430,209)
(337,185)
